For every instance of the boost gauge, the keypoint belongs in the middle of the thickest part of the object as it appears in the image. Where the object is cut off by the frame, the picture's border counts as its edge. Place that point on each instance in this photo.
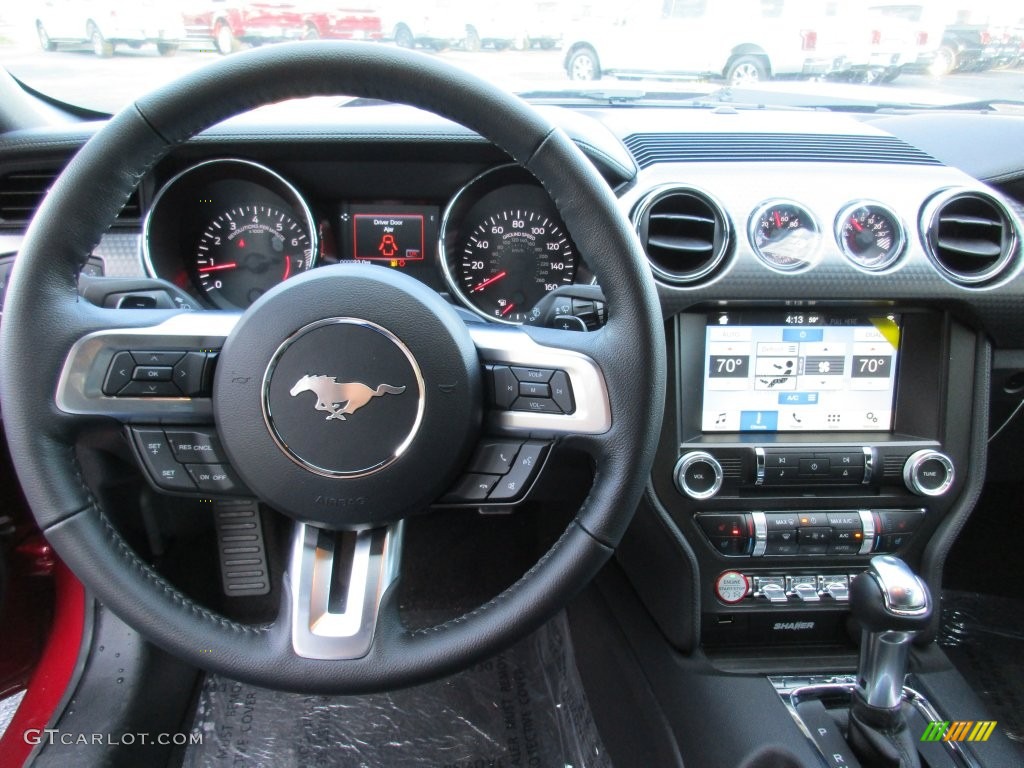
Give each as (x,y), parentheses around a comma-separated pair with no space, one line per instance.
(870,235)
(785,235)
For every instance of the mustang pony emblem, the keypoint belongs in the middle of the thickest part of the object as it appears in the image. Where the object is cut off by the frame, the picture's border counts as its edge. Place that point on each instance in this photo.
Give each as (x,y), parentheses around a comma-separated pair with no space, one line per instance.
(340,398)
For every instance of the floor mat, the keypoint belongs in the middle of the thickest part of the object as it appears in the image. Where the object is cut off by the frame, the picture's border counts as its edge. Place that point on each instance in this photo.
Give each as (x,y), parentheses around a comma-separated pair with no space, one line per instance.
(983,636)
(526,706)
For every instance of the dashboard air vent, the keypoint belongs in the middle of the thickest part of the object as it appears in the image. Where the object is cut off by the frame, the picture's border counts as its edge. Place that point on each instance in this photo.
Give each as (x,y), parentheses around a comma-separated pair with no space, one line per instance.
(969,236)
(650,148)
(685,234)
(21,192)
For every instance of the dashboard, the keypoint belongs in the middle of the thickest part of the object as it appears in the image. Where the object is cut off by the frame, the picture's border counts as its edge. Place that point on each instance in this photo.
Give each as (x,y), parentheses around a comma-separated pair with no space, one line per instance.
(833,290)
(226,230)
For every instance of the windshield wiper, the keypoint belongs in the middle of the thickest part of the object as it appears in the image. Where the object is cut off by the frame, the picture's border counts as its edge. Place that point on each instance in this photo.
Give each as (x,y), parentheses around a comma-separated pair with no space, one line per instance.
(715,99)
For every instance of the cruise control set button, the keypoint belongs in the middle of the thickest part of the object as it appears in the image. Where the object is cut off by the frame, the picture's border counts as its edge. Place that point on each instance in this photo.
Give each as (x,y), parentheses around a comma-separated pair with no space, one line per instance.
(186,461)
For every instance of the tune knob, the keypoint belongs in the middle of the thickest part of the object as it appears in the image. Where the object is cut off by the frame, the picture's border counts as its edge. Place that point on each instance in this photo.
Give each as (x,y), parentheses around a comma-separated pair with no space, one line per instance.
(698,475)
(928,473)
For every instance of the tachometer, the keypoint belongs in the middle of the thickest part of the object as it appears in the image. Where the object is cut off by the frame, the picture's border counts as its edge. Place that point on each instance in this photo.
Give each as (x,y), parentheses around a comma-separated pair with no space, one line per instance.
(246,251)
(785,235)
(870,235)
(511,259)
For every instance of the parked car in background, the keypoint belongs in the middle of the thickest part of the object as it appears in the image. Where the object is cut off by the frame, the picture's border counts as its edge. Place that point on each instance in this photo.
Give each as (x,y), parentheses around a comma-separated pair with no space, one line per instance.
(440,24)
(889,38)
(743,41)
(109,23)
(323,20)
(229,24)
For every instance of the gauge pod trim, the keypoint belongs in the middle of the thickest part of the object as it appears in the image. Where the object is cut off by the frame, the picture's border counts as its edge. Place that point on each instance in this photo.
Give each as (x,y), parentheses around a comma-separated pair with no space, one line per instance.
(899,230)
(810,223)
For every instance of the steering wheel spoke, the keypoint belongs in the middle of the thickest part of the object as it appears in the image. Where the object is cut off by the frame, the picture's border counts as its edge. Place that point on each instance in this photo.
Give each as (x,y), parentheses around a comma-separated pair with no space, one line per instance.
(337,582)
(544,383)
(145,373)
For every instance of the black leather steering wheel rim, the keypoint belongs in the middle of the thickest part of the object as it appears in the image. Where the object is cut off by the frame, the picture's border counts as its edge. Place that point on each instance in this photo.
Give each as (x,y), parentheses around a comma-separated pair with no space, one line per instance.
(44,316)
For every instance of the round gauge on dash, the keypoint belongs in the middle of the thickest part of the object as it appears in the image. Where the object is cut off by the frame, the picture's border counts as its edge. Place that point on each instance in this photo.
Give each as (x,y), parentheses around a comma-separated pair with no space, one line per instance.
(246,251)
(870,235)
(785,235)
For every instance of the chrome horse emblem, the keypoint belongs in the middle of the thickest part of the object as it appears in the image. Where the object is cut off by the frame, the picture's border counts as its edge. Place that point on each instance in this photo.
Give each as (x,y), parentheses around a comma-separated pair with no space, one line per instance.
(340,399)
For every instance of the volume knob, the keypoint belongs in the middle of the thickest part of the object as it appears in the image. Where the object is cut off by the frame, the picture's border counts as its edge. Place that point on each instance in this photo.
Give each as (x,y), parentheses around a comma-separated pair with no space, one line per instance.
(698,475)
(928,473)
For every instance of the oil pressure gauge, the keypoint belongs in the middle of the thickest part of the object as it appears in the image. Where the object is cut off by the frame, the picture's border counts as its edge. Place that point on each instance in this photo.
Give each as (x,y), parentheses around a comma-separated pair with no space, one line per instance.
(785,235)
(870,235)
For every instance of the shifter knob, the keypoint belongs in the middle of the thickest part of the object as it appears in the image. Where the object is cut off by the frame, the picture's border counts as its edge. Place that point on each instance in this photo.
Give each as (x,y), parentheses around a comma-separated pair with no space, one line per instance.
(891,604)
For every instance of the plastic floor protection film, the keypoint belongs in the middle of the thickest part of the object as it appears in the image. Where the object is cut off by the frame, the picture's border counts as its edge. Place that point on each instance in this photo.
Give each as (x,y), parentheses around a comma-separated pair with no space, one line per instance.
(983,636)
(524,707)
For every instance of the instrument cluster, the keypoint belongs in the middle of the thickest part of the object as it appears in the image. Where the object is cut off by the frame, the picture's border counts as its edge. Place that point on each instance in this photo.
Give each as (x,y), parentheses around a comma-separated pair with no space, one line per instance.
(228,230)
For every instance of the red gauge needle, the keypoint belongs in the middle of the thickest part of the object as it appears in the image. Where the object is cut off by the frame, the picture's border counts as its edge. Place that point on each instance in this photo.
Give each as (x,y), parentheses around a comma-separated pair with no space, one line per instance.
(856,225)
(488,281)
(778,220)
(216,267)
(507,309)
(287,267)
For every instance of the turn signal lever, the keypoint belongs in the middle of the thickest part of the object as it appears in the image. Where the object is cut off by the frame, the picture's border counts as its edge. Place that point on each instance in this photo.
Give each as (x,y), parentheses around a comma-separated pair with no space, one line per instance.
(892,605)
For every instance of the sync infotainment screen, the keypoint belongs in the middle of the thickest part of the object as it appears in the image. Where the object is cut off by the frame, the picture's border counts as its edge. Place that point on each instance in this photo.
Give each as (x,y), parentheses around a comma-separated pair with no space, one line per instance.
(799,371)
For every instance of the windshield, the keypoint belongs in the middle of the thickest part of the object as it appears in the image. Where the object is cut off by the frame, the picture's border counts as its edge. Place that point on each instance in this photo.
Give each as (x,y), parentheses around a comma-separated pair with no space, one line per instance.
(100,54)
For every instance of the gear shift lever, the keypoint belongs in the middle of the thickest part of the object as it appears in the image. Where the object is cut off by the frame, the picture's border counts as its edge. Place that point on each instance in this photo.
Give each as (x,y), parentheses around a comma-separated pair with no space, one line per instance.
(892,605)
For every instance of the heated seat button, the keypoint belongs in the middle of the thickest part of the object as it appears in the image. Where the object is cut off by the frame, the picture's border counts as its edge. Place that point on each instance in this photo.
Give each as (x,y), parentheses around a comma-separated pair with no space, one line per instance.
(900,520)
(155,451)
(730,546)
(195,446)
(119,373)
(724,525)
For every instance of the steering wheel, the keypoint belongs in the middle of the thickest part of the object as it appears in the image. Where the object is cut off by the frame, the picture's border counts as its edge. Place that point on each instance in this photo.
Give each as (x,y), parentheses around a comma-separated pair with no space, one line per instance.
(329,472)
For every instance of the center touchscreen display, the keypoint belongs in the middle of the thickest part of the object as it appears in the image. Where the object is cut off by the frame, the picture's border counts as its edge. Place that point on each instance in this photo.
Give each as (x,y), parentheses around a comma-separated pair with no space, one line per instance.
(799,371)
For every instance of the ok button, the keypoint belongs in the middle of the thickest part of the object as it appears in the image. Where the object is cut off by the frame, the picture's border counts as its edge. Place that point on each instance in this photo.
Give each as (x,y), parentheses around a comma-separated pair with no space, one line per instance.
(814,467)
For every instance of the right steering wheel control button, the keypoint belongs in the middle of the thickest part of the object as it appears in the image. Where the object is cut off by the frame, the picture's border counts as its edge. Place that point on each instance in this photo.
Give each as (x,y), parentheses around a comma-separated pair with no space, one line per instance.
(521,475)
(494,457)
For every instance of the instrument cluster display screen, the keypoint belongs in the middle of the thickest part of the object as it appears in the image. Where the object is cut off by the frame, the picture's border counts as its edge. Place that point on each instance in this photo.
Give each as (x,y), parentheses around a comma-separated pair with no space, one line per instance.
(799,372)
(397,236)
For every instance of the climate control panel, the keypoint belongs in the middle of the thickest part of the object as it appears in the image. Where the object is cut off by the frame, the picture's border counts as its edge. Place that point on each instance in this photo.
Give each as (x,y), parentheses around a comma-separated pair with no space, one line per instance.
(849,532)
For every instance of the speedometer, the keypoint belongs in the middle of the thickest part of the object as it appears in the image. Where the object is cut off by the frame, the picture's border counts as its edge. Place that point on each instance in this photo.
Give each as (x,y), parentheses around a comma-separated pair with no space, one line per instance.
(504,247)
(511,259)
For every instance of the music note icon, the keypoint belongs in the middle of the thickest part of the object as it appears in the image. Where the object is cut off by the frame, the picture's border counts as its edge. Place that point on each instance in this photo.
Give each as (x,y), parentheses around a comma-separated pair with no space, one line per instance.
(720,419)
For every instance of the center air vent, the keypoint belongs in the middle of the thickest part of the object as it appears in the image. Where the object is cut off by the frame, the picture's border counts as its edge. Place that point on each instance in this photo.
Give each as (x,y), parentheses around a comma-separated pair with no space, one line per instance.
(685,234)
(969,236)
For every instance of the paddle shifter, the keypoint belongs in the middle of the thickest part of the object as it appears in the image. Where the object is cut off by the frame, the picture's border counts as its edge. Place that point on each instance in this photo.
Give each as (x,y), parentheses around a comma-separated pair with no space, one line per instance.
(892,605)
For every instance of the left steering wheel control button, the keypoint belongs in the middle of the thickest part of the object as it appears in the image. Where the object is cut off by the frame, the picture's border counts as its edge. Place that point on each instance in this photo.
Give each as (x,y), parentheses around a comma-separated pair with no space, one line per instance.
(119,374)
(215,478)
(155,450)
(152,373)
(191,446)
(160,373)
(473,487)
(150,389)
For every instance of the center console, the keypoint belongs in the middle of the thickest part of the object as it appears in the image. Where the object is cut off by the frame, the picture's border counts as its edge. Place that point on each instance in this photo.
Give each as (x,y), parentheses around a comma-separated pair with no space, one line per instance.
(800,443)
